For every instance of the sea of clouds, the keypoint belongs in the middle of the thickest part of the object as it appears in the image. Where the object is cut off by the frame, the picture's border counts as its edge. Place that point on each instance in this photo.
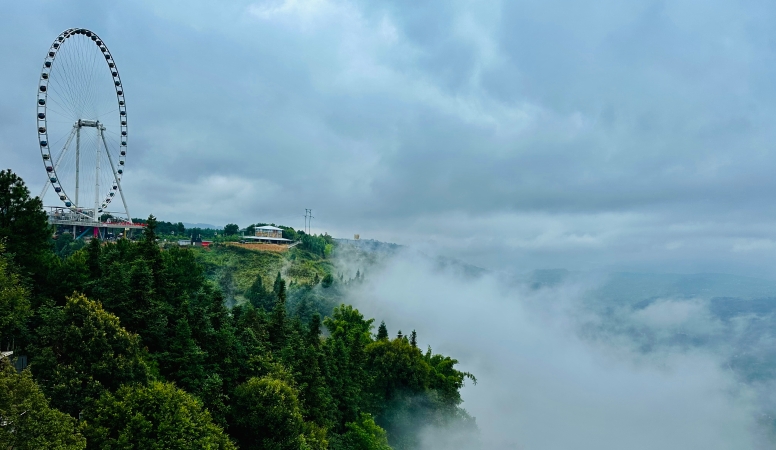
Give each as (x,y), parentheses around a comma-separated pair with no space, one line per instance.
(560,365)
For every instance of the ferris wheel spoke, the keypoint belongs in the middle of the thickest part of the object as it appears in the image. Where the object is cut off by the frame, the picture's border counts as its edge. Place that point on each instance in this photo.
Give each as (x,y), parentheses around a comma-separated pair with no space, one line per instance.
(90,91)
(64,104)
(57,141)
(107,112)
(74,56)
(59,113)
(80,85)
(69,80)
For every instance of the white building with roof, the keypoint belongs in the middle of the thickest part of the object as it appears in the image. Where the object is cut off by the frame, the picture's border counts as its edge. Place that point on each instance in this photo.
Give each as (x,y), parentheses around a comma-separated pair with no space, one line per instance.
(268,233)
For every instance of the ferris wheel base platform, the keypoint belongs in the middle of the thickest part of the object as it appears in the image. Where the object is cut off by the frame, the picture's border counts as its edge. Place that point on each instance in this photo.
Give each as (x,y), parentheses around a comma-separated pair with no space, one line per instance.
(82,218)
(81,223)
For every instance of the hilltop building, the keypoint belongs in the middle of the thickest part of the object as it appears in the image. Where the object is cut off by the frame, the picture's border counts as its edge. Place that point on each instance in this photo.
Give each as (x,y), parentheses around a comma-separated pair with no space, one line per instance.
(268,233)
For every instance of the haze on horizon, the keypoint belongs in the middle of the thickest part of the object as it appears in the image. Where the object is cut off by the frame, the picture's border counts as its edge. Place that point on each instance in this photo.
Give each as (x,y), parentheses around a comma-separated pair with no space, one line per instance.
(586,135)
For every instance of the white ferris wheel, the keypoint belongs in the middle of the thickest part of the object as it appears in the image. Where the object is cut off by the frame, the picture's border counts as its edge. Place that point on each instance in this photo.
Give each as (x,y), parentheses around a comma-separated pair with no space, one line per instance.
(82,128)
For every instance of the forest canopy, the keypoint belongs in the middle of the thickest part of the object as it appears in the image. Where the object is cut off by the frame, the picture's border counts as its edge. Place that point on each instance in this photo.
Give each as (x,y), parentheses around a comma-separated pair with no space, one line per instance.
(132,346)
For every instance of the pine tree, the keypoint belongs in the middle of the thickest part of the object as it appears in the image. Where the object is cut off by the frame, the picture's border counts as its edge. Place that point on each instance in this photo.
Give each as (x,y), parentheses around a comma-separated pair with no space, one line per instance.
(184,362)
(149,232)
(93,261)
(150,251)
(278,282)
(382,331)
(314,330)
(277,322)
(259,297)
(414,339)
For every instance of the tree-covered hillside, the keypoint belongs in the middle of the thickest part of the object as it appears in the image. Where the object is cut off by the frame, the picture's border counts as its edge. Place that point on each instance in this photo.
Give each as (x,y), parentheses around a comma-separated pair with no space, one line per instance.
(132,346)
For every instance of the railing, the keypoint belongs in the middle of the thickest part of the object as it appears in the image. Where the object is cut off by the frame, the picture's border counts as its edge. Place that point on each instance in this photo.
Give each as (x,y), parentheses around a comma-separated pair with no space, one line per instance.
(84,217)
(58,214)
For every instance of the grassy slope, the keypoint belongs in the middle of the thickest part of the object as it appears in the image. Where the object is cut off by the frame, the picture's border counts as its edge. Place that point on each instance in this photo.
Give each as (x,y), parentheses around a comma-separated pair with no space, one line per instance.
(296,266)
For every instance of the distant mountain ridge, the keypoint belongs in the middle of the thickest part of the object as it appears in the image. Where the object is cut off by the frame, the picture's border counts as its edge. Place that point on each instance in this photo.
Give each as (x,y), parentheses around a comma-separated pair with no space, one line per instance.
(200,225)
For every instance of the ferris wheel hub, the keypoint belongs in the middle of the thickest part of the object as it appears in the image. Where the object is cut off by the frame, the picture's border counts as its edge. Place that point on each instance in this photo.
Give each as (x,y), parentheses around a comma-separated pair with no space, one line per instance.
(88,123)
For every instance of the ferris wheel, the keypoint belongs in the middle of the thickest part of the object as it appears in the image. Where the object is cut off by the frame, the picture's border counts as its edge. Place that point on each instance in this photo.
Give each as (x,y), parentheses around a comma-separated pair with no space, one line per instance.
(82,125)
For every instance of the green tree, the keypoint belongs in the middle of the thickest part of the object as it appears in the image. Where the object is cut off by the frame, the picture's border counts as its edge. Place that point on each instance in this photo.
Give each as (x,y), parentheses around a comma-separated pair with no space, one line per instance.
(93,258)
(397,367)
(347,375)
(289,233)
(14,304)
(277,326)
(267,416)
(150,252)
(328,280)
(304,358)
(27,422)
(382,331)
(259,297)
(155,417)
(184,361)
(361,434)
(231,229)
(65,245)
(80,351)
(24,225)
(411,390)
(276,285)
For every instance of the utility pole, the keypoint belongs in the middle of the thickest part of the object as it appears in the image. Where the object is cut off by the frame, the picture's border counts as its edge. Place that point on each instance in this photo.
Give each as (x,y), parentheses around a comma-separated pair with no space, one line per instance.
(308,220)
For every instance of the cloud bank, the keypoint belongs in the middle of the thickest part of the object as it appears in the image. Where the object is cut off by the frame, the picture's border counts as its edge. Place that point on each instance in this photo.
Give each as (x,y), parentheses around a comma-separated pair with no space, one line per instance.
(544,384)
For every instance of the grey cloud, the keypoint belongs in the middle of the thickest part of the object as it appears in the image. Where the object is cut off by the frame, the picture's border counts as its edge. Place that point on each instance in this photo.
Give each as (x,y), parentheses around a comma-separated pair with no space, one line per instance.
(379,115)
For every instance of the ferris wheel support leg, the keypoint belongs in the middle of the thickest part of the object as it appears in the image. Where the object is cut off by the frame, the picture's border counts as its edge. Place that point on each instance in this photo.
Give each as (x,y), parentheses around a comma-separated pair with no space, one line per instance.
(116,178)
(77,160)
(59,159)
(97,180)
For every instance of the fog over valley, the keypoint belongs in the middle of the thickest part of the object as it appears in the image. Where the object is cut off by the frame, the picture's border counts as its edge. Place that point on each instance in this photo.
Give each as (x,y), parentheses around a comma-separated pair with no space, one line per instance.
(592,361)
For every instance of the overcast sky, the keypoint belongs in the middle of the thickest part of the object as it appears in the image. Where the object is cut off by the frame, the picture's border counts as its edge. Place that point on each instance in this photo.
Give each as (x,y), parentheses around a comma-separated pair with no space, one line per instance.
(620,135)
